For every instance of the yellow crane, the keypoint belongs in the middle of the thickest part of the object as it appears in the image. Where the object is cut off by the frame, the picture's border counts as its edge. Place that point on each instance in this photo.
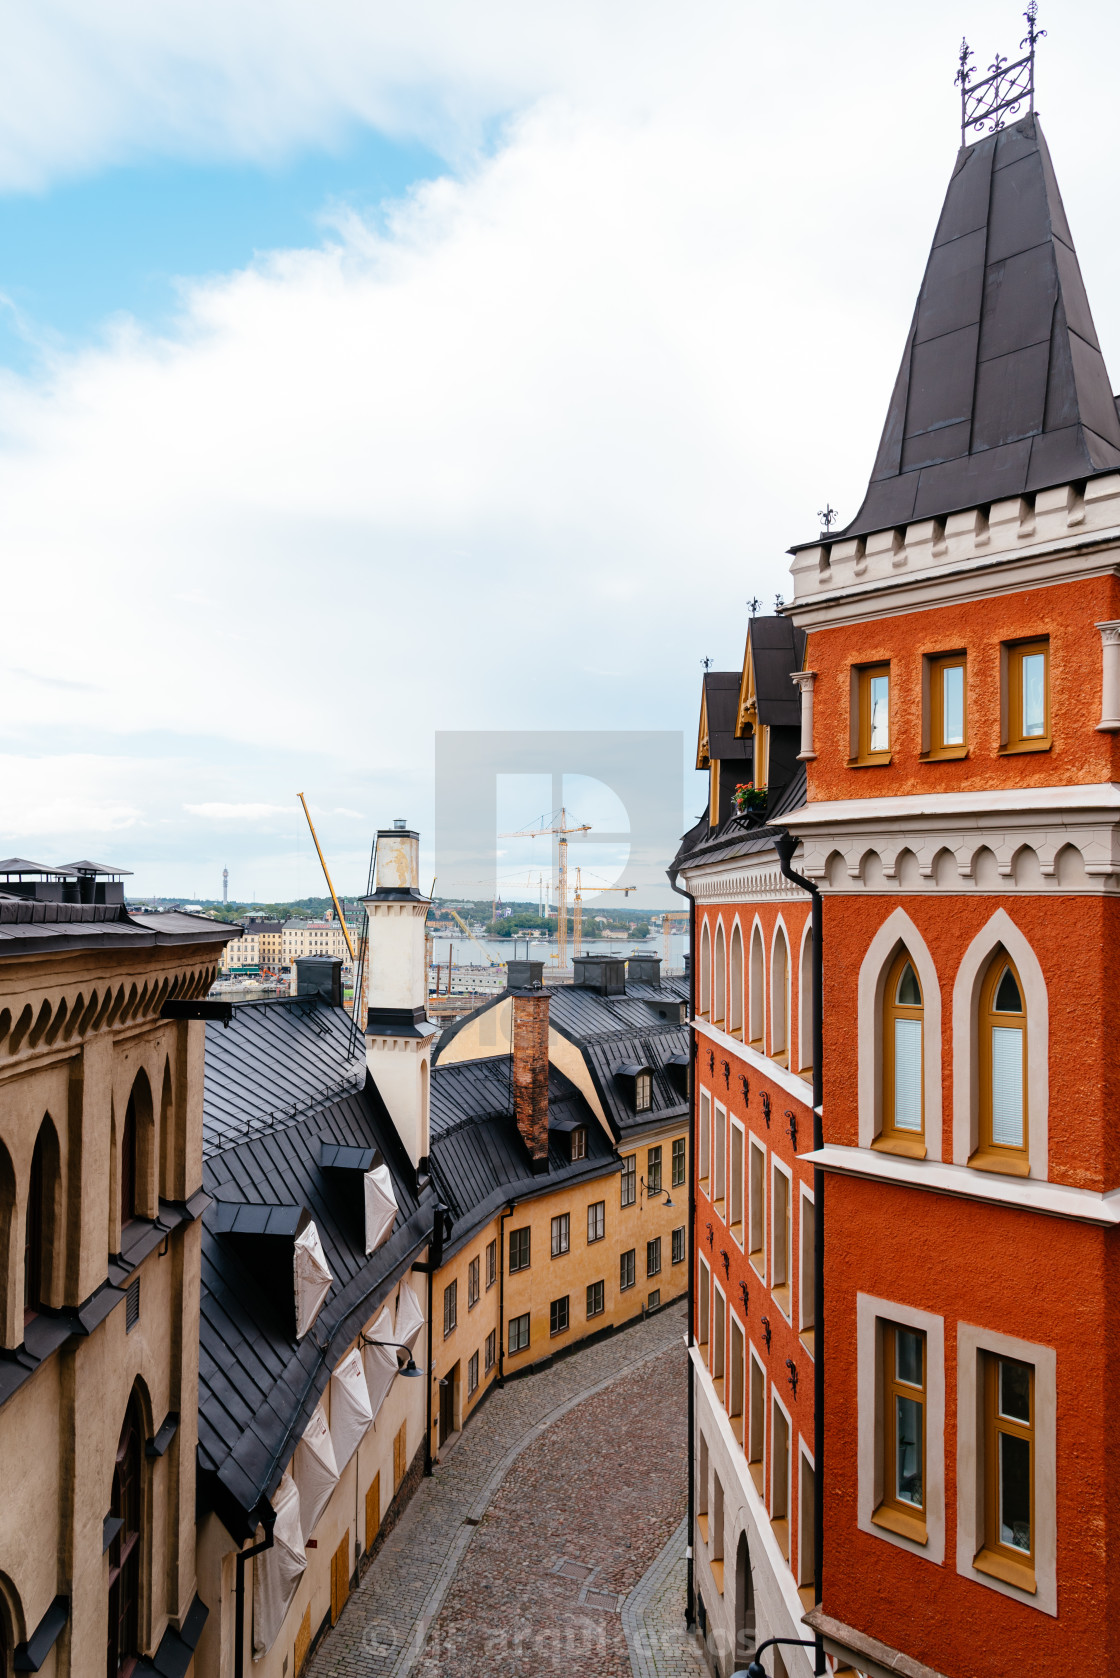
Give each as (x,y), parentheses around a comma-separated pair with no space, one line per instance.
(562,830)
(487,958)
(330,887)
(577,912)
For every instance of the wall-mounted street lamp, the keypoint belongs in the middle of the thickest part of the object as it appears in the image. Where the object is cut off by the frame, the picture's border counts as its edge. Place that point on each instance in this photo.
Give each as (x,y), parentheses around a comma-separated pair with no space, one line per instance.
(756,1668)
(397,1345)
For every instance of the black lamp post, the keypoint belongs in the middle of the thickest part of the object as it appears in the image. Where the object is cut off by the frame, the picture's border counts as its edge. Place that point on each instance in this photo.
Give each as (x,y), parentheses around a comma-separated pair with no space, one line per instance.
(400,1346)
(756,1668)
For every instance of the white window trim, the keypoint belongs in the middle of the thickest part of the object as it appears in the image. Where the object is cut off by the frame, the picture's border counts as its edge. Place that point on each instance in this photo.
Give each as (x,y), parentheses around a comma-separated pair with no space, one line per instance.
(718,966)
(705,998)
(805,1212)
(745,1187)
(775,1398)
(781,930)
(705,1130)
(777,1165)
(704,1265)
(804,1050)
(756,925)
(744,1001)
(804,1455)
(755,1357)
(719,1128)
(718,1293)
(1000,930)
(897,929)
(734,1317)
(870,1312)
(763,1246)
(971,1341)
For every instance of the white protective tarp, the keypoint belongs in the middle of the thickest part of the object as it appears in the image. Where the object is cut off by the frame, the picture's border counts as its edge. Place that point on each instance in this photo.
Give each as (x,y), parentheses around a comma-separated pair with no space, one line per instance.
(380,1361)
(311,1277)
(410,1318)
(276,1572)
(351,1412)
(381,1207)
(315,1471)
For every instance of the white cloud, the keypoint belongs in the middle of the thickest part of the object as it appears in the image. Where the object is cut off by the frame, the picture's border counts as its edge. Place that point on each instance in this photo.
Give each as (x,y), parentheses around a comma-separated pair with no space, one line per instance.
(516,456)
(236,812)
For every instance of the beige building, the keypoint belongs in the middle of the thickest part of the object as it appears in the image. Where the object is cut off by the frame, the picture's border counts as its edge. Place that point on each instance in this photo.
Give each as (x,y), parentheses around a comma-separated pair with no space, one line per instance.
(101,1064)
(313,938)
(242,951)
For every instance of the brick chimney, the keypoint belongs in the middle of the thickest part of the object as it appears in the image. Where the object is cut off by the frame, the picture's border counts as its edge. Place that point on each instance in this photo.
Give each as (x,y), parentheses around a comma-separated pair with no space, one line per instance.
(530,1069)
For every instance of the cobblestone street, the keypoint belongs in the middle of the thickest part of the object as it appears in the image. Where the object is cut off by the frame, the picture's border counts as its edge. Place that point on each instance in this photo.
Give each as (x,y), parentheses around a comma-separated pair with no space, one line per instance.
(549,1540)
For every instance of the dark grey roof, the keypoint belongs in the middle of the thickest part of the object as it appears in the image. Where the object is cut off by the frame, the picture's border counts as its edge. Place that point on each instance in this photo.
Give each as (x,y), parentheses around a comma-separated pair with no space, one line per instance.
(87,867)
(739,836)
(478,1158)
(777,650)
(21,865)
(277,1060)
(721,706)
(257,1385)
(27,925)
(1002,389)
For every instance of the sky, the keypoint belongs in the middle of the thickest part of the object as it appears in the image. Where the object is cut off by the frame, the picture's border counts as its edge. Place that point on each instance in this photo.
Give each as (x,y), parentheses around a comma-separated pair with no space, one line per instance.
(370,370)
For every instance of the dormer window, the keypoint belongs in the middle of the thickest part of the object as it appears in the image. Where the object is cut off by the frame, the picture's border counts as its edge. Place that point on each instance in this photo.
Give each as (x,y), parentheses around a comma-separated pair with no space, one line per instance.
(579,1143)
(636,1079)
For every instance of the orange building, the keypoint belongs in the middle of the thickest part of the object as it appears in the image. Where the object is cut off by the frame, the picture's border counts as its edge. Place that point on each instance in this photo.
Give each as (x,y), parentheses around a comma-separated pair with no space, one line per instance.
(960,832)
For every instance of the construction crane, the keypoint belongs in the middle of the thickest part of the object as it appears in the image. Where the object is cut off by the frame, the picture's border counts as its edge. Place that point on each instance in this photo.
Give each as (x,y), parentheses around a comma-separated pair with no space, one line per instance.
(577,912)
(562,830)
(486,956)
(330,888)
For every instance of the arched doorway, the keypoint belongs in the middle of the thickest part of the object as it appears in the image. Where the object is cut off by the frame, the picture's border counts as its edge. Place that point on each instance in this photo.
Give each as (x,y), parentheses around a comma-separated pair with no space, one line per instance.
(124,1552)
(744,1604)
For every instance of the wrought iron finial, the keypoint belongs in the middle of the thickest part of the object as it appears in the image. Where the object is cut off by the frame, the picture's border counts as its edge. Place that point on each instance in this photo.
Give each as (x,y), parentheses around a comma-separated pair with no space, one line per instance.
(998,97)
(828,516)
(707,663)
(964,71)
(1033,32)
(753,605)
(778,602)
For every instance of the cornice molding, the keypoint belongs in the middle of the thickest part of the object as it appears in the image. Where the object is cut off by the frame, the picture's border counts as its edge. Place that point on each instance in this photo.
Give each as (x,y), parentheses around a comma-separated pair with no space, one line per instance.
(1024,1194)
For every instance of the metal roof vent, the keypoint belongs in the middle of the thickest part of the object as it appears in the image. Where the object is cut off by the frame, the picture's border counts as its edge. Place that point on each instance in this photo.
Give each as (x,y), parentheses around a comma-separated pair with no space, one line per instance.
(644,970)
(604,974)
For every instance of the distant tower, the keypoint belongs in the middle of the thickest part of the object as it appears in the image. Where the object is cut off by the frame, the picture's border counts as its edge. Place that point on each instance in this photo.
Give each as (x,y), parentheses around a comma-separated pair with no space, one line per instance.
(225,885)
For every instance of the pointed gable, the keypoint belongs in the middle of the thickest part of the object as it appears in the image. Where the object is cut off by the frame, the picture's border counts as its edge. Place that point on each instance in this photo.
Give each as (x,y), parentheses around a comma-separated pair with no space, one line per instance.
(1002,389)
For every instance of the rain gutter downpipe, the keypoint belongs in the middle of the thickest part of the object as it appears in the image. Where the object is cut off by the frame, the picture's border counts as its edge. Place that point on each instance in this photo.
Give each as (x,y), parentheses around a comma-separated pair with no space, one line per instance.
(268,1521)
(690,1576)
(785,843)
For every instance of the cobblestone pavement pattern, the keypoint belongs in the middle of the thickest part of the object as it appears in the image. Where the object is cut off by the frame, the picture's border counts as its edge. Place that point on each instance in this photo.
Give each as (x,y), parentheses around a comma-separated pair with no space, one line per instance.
(581,1464)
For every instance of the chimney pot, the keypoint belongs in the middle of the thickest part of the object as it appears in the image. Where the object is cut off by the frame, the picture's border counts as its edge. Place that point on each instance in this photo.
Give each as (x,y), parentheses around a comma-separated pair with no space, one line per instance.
(530,1071)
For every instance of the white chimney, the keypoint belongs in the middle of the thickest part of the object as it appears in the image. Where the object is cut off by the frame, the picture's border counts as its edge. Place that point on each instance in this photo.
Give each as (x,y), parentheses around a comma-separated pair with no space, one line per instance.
(397,1029)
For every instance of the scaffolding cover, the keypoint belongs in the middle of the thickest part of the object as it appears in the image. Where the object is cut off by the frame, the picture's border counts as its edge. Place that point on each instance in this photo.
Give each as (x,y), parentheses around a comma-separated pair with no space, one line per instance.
(410,1318)
(381,1207)
(351,1413)
(312,1278)
(315,1470)
(380,1361)
(276,1572)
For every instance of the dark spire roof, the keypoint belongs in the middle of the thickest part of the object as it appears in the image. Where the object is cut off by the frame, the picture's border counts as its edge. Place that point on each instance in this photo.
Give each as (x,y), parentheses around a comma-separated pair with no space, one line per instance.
(1002,389)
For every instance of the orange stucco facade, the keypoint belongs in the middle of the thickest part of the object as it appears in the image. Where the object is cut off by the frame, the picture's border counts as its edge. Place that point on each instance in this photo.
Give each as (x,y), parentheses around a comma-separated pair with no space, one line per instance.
(1066,613)
(1040,1279)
